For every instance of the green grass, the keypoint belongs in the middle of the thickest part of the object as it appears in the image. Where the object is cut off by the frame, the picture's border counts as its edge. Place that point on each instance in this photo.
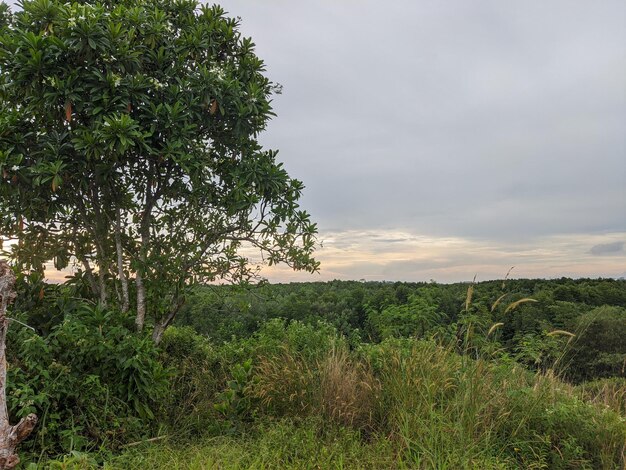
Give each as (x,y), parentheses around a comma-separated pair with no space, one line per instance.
(305,404)
(279,445)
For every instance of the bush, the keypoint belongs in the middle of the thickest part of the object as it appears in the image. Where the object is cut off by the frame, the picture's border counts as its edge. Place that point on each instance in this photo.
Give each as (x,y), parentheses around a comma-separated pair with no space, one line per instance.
(555,427)
(310,341)
(92,381)
(449,411)
(414,318)
(194,381)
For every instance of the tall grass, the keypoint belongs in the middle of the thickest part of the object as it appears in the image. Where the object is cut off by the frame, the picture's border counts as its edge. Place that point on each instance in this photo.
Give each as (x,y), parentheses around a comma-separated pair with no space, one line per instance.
(334,386)
(403,403)
(441,410)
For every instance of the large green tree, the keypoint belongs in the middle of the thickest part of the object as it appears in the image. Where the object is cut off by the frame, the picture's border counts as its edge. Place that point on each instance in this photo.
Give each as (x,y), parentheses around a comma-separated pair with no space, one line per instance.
(128,147)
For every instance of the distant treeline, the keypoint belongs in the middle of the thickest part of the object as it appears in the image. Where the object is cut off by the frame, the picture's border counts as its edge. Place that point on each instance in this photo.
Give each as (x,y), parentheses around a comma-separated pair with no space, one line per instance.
(575,327)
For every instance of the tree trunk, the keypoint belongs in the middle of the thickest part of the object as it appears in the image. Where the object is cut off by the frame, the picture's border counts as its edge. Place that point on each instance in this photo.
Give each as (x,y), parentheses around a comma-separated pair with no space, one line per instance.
(102,285)
(120,262)
(157,333)
(141,301)
(100,232)
(10,436)
(89,274)
(160,327)
(141,288)
(144,233)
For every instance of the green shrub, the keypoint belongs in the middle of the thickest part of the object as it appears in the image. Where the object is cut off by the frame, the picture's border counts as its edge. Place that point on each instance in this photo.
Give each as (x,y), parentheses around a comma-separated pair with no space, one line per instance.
(194,381)
(449,411)
(310,341)
(92,381)
(553,426)
(234,403)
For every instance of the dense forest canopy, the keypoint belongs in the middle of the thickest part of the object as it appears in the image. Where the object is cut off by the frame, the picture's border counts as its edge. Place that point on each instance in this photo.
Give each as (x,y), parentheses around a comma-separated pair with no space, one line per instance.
(594,310)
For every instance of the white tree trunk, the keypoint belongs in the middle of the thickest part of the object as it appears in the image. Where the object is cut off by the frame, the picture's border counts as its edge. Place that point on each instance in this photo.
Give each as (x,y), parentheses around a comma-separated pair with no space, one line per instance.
(120,262)
(140,318)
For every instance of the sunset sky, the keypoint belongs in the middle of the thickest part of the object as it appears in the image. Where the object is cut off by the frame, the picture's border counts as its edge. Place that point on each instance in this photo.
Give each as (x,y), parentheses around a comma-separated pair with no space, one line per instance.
(438,140)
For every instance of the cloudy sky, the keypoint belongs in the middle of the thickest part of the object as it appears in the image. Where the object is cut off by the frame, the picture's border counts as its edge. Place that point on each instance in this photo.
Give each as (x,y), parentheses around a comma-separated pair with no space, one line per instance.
(438,140)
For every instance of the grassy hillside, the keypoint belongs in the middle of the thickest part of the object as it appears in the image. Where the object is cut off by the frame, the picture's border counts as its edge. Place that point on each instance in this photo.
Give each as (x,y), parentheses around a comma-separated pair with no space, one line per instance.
(299,397)
(334,375)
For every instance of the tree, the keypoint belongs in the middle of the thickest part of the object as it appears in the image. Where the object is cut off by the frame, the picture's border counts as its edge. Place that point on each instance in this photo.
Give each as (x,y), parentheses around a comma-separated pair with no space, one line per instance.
(598,350)
(128,147)
(413,318)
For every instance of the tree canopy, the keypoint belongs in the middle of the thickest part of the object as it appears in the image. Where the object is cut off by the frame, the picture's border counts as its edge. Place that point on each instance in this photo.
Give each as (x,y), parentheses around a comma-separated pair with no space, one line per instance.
(129,148)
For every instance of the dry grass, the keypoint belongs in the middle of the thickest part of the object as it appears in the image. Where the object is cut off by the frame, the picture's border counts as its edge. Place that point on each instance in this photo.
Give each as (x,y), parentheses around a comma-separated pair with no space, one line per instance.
(514,305)
(497,302)
(609,393)
(560,333)
(284,384)
(348,390)
(470,293)
(494,327)
(342,390)
(336,386)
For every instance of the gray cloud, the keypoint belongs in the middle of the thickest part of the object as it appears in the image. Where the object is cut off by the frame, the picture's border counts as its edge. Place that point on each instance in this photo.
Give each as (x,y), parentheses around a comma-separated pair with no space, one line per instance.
(490,120)
(607,249)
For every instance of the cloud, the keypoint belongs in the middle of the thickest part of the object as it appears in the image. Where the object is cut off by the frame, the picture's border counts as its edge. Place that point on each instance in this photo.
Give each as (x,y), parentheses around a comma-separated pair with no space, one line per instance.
(418,257)
(357,254)
(438,139)
(607,249)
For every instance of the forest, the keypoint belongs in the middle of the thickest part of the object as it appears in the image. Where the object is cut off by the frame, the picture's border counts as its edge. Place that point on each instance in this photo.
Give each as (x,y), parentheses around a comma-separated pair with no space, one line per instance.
(138,210)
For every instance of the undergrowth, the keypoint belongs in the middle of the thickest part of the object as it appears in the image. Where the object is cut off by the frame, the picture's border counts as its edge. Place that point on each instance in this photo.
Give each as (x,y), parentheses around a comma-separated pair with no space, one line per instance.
(310,400)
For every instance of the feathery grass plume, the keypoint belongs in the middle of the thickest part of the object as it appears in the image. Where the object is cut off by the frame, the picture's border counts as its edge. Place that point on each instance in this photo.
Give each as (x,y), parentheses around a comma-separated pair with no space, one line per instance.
(570,336)
(507,276)
(514,305)
(494,327)
(470,292)
(560,332)
(347,390)
(497,302)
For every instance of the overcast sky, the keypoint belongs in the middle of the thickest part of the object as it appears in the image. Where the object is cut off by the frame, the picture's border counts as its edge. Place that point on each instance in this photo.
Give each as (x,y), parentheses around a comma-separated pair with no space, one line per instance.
(439,139)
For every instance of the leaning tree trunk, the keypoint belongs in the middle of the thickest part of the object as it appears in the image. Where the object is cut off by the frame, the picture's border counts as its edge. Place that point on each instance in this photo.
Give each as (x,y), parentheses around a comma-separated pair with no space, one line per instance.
(10,436)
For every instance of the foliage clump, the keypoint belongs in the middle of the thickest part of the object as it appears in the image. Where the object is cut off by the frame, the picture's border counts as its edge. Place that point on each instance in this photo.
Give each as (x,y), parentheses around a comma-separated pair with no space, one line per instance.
(91,379)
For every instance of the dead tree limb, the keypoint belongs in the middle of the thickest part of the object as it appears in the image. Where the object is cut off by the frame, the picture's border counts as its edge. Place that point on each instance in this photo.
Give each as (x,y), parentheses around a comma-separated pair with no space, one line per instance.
(10,436)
